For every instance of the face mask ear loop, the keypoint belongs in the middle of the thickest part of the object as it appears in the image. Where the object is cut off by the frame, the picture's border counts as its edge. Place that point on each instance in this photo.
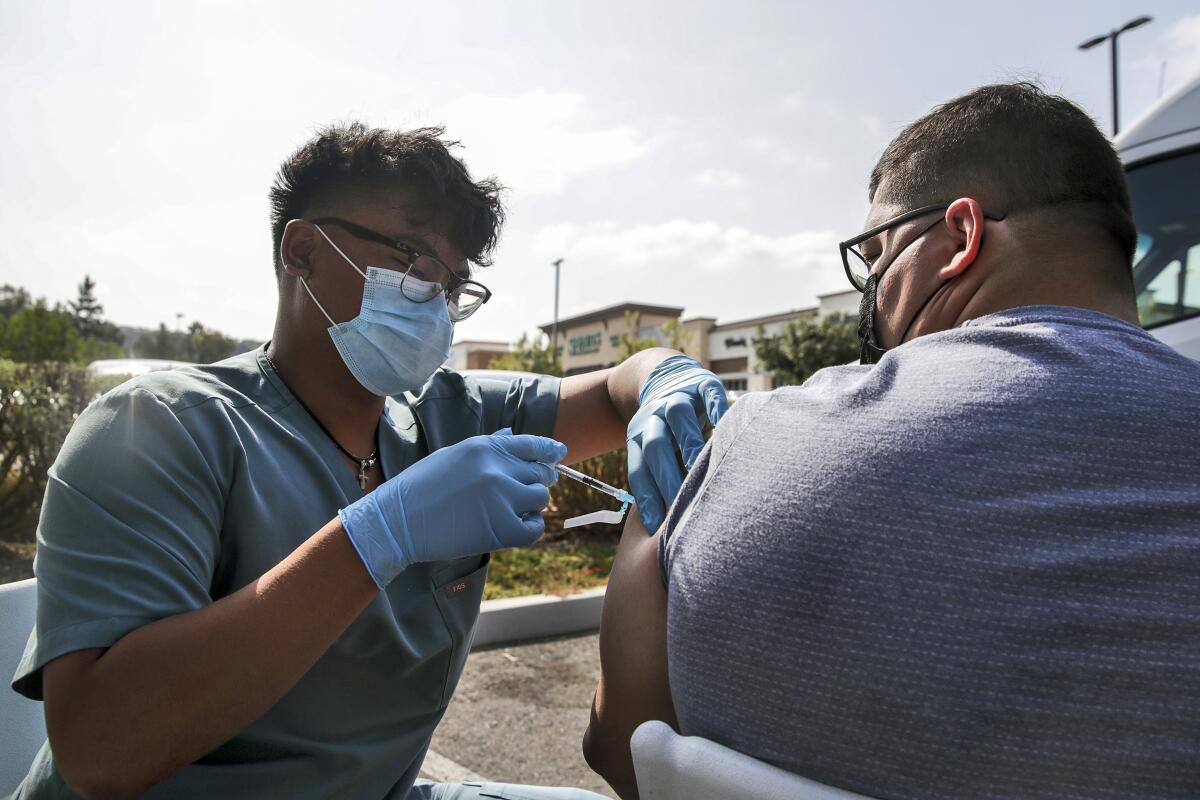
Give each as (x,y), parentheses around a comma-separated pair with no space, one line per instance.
(340,253)
(304,283)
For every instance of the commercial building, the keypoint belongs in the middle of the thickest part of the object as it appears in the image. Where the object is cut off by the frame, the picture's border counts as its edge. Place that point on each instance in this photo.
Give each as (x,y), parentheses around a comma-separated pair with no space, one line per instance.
(592,340)
(475,354)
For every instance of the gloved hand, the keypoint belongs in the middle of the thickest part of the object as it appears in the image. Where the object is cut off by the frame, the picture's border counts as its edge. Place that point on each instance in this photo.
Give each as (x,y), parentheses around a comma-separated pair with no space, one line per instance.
(677,394)
(482,494)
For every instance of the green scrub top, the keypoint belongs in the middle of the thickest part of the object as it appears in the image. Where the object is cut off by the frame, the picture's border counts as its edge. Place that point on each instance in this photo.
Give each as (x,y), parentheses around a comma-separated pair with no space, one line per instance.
(178,488)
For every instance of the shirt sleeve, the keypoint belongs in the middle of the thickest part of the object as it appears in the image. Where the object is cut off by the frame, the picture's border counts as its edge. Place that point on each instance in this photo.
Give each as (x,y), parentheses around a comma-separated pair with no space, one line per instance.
(527,405)
(696,481)
(129,530)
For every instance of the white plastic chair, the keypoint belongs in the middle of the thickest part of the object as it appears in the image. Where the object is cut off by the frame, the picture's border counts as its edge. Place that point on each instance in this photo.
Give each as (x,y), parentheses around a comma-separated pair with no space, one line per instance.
(22,725)
(673,767)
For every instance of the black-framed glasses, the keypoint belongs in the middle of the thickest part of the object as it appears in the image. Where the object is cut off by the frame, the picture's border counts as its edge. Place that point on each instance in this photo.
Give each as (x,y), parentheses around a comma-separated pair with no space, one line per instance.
(858,268)
(463,296)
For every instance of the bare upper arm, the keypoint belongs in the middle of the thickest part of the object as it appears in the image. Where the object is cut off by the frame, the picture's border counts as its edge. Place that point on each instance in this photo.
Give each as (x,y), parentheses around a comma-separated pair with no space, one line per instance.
(633,684)
(587,423)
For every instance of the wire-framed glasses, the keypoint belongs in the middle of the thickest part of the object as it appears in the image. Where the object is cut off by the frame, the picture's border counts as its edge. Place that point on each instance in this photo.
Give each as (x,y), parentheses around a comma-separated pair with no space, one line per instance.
(432,277)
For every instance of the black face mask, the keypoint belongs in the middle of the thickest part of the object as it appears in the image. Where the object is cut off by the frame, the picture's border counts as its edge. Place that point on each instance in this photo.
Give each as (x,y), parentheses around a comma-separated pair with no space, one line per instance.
(869,351)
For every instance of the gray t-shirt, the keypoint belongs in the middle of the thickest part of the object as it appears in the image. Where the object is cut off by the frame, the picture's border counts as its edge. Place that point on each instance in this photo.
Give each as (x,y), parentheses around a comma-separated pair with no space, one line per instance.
(970,571)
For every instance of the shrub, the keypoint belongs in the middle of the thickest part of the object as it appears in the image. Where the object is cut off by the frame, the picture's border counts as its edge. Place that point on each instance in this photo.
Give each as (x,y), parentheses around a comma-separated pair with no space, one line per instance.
(38,404)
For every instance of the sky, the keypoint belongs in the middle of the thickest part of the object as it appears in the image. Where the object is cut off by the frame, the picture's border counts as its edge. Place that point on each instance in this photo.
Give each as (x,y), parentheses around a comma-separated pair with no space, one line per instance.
(708,155)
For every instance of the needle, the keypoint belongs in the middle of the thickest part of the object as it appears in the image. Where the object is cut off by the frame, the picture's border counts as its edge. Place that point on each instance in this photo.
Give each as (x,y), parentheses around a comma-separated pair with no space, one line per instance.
(600,486)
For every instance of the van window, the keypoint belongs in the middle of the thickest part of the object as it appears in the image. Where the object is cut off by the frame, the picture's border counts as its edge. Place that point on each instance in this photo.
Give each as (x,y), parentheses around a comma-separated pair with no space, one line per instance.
(1166,209)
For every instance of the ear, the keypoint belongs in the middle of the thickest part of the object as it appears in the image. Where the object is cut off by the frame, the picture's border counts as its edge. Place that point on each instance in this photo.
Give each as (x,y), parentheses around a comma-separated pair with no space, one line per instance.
(964,223)
(296,248)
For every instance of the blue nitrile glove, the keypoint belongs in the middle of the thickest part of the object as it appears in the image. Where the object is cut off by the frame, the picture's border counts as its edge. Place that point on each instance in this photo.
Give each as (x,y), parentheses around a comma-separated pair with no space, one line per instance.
(677,394)
(482,494)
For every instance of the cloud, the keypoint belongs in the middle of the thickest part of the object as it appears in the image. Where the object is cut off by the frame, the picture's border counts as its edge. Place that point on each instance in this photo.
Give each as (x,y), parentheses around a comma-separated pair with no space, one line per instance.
(719,178)
(537,141)
(710,268)
(1183,49)
(1176,57)
(872,124)
(706,246)
(782,155)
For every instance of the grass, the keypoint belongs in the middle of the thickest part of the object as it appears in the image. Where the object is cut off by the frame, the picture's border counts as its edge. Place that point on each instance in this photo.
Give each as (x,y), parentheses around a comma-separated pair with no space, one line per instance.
(554,568)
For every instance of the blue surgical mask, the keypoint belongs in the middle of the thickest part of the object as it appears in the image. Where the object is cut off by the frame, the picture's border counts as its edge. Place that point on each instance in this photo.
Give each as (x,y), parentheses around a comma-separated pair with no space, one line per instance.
(394,344)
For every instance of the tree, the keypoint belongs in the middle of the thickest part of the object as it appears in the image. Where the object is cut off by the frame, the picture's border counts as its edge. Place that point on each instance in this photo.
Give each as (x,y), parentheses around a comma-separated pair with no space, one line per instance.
(671,334)
(530,355)
(101,339)
(97,349)
(206,346)
(805,346)
(86,309)
(13,299)
(630,342)
(39,333)
(199,344)
(676,336)
(162,343)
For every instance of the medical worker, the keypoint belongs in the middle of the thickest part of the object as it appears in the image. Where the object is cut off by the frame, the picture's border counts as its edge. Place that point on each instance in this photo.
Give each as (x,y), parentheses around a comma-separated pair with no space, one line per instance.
(259,578)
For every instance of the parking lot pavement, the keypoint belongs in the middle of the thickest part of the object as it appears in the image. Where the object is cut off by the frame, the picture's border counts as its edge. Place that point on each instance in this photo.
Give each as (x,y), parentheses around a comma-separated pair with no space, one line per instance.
(519,714)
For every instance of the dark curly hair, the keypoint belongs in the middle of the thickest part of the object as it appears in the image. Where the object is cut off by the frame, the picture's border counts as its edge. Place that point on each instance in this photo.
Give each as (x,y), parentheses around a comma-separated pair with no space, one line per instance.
(1015,148)
(346,157)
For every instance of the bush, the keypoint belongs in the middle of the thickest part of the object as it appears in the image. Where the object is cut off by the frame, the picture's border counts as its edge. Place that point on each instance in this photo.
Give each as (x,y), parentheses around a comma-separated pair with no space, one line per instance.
(805,347)
(38,404)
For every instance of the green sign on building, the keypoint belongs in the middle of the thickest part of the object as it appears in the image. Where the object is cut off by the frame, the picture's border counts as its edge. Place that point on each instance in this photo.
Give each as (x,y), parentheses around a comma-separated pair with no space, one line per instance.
(588,343)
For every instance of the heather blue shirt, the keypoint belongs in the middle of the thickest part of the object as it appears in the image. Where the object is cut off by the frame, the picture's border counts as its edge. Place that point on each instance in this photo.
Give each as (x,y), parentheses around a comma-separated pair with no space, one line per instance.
(970,571)
(179,488)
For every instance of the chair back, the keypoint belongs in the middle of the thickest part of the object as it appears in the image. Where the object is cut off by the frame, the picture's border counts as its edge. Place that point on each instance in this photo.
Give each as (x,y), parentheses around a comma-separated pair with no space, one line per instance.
(22,725)
(673,767)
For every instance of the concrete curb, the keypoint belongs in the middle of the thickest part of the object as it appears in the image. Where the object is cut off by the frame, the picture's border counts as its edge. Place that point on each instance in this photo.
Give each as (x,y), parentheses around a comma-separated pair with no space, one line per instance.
(537,616)
(439,769)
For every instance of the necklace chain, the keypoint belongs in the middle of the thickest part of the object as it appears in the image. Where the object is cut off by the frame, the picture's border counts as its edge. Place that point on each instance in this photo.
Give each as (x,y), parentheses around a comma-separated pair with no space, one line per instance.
(364,464)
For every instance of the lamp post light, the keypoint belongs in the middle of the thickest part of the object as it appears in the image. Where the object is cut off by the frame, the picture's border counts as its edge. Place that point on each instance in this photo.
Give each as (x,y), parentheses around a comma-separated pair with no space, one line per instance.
(1111,38)
(554,329)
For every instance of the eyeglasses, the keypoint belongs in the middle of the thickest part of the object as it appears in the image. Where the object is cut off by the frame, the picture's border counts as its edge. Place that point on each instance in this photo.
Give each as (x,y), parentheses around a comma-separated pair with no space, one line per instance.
(858,268)
(463,297)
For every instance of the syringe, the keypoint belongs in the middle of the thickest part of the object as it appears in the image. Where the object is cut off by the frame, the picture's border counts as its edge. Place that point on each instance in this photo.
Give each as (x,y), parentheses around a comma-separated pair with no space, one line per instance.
(599,486)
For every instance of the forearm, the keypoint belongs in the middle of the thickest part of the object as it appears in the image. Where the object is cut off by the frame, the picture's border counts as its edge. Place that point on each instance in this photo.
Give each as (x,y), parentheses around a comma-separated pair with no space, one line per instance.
(172,691)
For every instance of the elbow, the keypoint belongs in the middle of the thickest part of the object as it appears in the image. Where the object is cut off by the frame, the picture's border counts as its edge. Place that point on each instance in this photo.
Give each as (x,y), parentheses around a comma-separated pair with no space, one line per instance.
(597,750)
(611,759)
(91,770)
(96,784)
(591,751)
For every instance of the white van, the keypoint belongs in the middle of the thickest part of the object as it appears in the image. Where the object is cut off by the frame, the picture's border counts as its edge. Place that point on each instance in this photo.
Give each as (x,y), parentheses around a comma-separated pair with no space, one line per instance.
(1161,153)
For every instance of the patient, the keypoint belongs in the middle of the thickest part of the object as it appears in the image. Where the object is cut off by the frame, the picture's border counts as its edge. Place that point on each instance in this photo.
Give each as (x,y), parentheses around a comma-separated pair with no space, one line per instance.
(968,567)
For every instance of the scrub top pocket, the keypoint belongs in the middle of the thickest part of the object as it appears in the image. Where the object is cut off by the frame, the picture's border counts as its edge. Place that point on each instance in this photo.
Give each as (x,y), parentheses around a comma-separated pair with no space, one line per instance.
(458,591)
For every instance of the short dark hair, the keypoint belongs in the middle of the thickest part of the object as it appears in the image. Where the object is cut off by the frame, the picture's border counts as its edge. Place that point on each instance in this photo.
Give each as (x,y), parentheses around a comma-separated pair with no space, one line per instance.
(1013,147)
(351,156)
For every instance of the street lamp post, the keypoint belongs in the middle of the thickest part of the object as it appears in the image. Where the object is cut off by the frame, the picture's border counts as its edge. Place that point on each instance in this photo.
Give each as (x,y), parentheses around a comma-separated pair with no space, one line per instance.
(1111,38)
(554,329)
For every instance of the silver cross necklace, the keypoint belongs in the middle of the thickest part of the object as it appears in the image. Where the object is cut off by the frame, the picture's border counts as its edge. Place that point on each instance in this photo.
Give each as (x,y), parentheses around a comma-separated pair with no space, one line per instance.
(364,464)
